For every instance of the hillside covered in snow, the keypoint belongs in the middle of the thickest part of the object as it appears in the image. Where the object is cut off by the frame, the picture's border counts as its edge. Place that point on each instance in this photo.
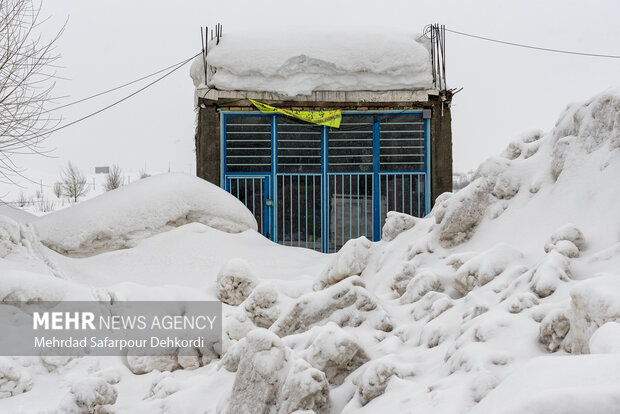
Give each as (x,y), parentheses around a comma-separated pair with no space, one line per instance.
(504,299)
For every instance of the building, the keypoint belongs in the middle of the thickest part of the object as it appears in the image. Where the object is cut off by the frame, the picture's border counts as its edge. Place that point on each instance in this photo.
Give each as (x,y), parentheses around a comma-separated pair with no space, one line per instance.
(316,186)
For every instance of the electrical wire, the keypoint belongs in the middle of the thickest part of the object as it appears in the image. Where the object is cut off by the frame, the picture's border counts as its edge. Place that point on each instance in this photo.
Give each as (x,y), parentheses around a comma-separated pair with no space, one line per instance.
(177,67)
(117,87)
(534,47)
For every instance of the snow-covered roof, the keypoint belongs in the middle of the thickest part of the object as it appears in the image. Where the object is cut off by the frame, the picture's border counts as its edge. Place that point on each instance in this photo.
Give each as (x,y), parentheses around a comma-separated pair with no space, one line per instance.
(303,61)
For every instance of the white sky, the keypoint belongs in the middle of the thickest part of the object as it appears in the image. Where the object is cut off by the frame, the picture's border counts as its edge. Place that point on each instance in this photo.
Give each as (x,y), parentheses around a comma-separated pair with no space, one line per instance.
(506,90)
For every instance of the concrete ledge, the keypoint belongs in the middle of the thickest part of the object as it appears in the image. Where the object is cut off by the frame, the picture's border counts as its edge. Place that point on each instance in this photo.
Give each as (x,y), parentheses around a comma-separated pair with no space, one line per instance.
(356,97)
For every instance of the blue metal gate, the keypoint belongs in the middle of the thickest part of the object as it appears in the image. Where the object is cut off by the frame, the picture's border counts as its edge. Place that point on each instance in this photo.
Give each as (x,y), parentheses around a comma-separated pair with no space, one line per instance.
(317,187)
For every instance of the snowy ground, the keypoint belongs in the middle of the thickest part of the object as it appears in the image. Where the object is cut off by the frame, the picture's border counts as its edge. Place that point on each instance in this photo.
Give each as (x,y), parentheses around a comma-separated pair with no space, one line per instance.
(505,299)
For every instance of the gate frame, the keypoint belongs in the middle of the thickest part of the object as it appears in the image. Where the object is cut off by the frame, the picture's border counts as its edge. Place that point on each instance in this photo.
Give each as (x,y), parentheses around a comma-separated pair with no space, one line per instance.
(271,177)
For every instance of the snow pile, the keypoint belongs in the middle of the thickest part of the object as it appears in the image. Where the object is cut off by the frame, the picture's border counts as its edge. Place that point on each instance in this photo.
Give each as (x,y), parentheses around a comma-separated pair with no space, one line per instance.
(328,60)
(484,306)
(114,219)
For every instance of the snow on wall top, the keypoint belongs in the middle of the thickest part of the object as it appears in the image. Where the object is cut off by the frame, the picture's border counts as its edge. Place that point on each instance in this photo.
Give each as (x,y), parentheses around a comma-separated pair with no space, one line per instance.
(142,208)
(301,62)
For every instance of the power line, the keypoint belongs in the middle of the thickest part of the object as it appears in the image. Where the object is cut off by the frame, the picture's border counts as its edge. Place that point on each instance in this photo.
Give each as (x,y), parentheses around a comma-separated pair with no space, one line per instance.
(177,67)
(568,52)
(117,87)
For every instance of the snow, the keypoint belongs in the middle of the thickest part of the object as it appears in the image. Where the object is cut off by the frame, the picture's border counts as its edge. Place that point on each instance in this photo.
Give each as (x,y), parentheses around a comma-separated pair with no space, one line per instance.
(142,208)
(606,339)
(503,300)
(305,60)
(235,282)
(559,385)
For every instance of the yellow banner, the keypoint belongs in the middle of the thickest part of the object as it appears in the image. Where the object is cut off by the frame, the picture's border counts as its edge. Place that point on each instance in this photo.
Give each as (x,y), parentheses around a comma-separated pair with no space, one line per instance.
(327,118)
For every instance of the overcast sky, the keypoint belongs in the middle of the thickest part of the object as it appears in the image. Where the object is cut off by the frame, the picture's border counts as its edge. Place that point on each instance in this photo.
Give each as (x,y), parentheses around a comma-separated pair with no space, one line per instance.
(506,91)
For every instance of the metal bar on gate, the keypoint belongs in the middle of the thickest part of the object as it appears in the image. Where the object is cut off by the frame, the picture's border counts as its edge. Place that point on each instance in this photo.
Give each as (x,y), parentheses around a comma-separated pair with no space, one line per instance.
(418,191)
(366,205)
(411,195)
(387,195)
(262,201)
(350,206)
(358,206)
(313,213)
(342,224)
(298,214)
(394,192)
(335,211)
(291,198)
(273,181)
(306,203)
(283,209)
(402,192)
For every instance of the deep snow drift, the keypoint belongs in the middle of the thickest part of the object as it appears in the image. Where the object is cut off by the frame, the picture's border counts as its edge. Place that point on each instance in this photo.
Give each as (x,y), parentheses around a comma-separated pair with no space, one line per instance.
(503,300)
(140,209)
(307,61)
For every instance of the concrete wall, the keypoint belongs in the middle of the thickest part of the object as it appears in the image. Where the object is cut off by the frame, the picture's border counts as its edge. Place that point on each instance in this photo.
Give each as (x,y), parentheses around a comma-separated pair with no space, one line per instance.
(208,125)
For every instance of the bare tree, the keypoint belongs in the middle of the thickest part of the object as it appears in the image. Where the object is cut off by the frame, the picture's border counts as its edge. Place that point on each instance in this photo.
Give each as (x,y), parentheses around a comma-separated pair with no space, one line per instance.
(114,179)
(26,80)
(73,183)
(57,188)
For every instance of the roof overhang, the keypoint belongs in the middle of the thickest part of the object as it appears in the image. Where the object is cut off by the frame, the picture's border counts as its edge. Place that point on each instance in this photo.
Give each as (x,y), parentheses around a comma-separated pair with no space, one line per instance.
(241,97)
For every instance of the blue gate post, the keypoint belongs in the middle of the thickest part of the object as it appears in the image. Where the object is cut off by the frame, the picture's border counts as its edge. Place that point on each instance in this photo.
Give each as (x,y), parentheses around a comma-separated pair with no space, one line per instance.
(324,193)
(376,186)
(273,184)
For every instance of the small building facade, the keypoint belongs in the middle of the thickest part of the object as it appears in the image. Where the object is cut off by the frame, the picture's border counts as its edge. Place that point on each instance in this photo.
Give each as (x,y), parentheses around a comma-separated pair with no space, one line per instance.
(315,186)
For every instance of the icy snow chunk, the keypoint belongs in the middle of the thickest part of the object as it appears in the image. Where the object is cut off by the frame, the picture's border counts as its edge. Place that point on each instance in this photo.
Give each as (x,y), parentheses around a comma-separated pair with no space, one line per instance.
(606,339)
(14,379)
(403,277)
(237,324)
(521,301)
(583,128)
(261,306)
(163,386)
(311,60)
(526,146)
(188,358)
(89,395)
(305,388)
(336,353)
(484,267)
(568,233)
(235,281)
(350,260)
(431,306)
(554,328)
(594,302)
(258,374)
(270,379)
(422,283)
(142,364)
(374,380)
(459,216)
(115,219)
(397,223)
(554,270)
(347,303)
